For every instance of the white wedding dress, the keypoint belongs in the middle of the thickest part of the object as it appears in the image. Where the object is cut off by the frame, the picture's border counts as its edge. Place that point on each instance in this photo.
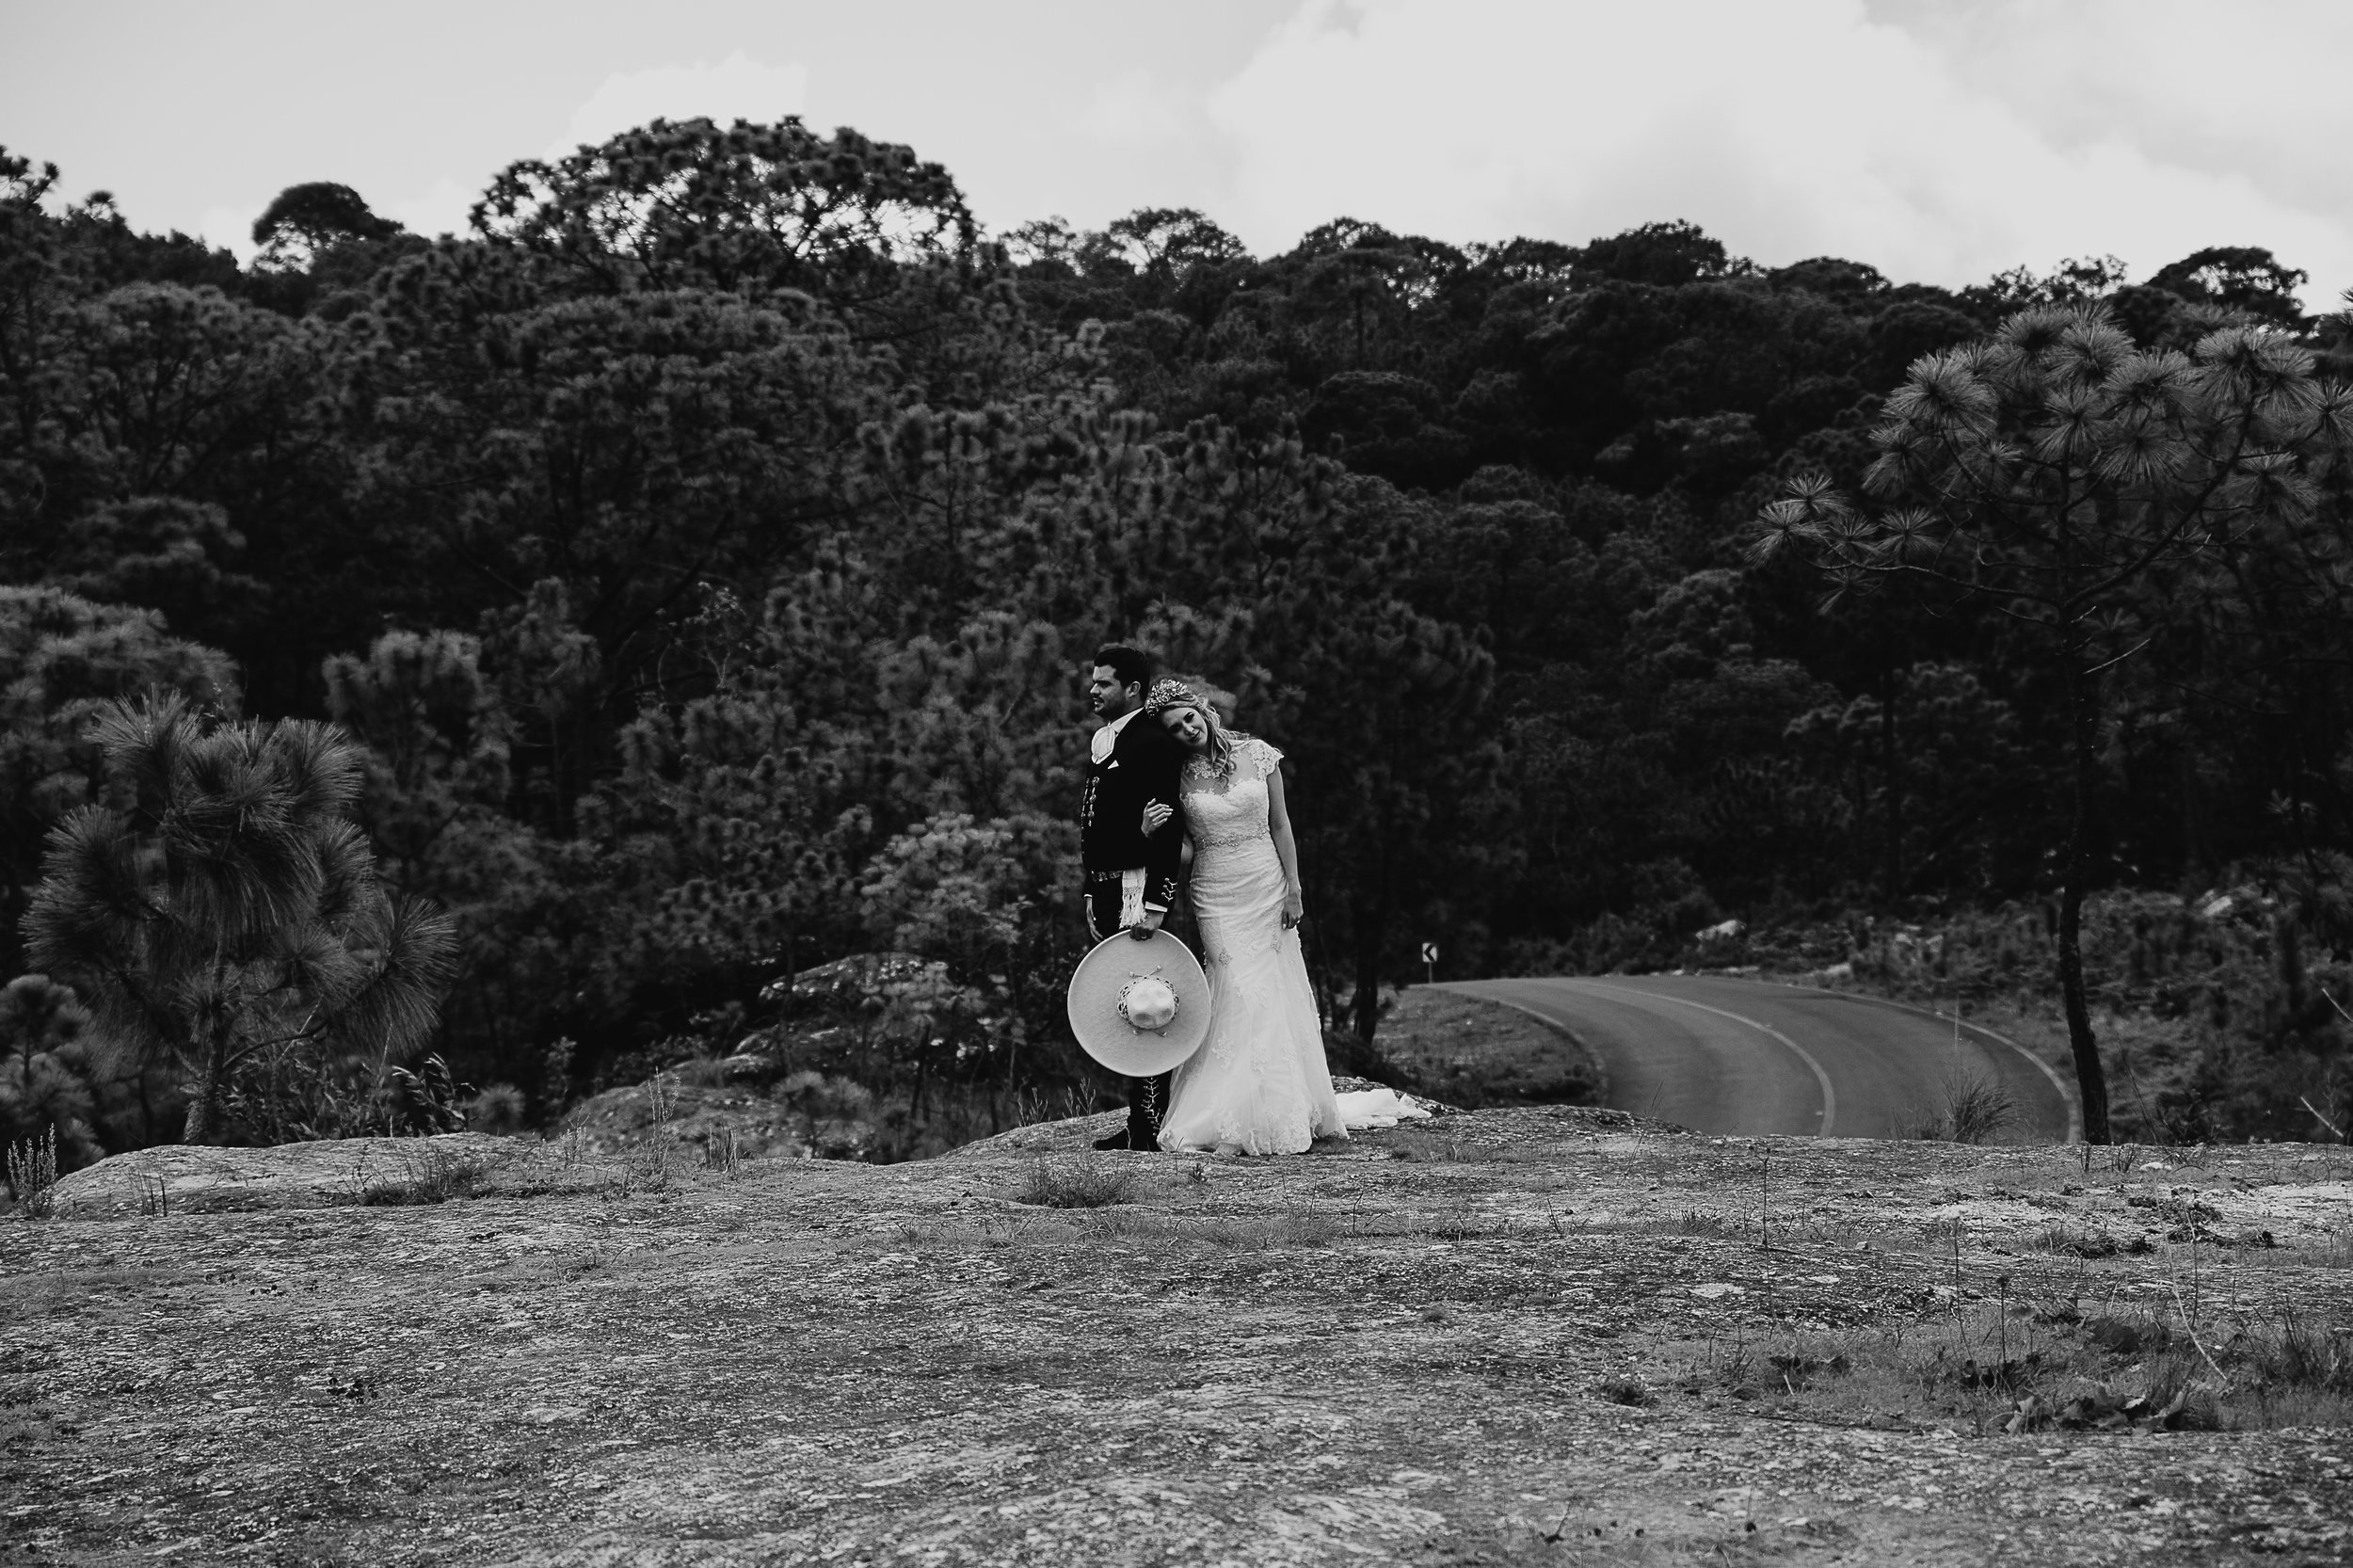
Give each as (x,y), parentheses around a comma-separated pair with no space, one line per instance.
(1259,1083)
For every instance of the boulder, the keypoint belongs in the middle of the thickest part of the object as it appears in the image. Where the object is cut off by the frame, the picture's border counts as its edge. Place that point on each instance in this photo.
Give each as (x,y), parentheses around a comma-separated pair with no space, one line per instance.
(808,1116)
(177,1178)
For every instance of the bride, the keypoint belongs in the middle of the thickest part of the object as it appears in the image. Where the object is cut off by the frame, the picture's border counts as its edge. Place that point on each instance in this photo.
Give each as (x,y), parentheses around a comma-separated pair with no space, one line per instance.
(1259,1083)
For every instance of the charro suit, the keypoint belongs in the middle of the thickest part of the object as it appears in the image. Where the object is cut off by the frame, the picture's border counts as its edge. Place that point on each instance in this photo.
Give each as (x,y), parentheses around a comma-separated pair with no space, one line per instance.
(1128,873)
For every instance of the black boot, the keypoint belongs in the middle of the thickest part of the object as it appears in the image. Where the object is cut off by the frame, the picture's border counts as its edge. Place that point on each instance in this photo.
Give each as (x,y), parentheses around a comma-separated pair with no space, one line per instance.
(1147,1098)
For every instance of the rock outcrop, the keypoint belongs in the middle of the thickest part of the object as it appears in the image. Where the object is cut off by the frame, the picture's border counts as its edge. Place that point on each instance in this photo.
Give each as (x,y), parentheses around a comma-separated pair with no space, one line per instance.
(185,1179)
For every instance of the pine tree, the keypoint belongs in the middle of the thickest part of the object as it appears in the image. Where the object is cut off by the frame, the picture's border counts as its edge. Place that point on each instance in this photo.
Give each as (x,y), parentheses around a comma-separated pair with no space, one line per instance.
(221,903)
(2056,473)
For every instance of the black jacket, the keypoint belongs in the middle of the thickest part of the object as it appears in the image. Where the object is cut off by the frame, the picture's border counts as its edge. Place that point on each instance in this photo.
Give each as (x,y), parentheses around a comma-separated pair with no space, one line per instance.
(1143,765)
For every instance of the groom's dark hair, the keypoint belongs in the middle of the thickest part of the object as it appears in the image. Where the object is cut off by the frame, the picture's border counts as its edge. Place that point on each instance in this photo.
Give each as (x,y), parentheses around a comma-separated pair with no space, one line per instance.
(1131,666)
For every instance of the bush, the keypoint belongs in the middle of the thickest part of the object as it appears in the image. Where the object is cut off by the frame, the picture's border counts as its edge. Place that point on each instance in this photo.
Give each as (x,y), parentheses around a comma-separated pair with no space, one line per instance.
(429,1176)
(32,1170)
(47,1067)
(1976,1107)
(498,1109)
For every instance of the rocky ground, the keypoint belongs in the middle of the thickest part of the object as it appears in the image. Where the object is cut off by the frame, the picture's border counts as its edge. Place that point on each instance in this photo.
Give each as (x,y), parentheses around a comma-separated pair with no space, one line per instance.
(1521,1335)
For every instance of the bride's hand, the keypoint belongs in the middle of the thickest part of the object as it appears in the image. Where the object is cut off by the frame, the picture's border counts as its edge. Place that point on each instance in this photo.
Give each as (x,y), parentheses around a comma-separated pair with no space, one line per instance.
(1156,816)
(1294,909)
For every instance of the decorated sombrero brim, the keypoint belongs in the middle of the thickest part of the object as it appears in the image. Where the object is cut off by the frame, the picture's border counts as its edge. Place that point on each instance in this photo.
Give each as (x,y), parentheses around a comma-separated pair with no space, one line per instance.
(1139,1008)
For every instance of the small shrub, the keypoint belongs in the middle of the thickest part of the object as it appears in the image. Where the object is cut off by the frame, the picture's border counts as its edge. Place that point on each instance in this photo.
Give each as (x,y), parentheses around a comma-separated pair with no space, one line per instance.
(1627,1391)
(498,1109)
(421,1103)
(2070,1242)
(701,1072)
(2296,1354)
(33,1175)
(2011,1377)
(1976,1107)
(1970,1108)
(2126,1336)
(2172,1403)
(1692,1222)
(2179,1397)
(1076,1184)
(1033,1105)
(1726,1370)
(1798,1370)
(428,1177)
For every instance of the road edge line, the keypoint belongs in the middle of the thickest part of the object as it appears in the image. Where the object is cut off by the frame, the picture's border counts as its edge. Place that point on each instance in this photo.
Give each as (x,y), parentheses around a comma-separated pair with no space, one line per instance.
(2066,1090)
(1830,1095)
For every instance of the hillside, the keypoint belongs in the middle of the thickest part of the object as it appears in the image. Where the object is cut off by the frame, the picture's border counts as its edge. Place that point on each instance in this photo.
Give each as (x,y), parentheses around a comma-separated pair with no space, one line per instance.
(1521,1335)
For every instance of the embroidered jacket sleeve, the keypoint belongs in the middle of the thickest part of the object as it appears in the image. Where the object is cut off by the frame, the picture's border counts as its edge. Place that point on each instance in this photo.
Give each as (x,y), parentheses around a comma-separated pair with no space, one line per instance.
(1160,768)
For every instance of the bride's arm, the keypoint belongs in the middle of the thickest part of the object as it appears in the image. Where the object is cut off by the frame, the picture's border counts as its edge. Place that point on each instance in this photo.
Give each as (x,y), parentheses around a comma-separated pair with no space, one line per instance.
(1278,821)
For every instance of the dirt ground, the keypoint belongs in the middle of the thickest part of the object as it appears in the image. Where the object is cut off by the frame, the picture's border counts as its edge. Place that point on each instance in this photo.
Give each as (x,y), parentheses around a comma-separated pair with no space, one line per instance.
(1510,1335)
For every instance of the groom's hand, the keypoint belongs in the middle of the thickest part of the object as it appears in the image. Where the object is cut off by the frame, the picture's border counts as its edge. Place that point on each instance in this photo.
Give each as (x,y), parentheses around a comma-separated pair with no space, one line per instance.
(1142,931)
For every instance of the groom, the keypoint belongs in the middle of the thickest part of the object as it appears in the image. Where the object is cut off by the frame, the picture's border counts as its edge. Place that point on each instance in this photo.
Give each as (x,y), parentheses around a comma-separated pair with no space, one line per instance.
(1129,877)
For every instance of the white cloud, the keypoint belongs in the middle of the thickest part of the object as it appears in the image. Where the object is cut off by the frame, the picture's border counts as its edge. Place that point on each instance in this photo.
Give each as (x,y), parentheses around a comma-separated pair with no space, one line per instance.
(1934,143)
(2253,88)
(440,209)
(738,87)
(1133,110)
(231,228)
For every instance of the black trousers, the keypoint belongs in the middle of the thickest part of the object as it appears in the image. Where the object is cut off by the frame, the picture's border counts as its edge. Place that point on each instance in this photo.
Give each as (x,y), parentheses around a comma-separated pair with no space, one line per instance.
(1108,896)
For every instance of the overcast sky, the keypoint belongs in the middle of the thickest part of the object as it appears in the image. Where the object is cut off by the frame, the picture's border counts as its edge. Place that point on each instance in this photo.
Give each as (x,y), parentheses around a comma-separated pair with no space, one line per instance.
(1939,140)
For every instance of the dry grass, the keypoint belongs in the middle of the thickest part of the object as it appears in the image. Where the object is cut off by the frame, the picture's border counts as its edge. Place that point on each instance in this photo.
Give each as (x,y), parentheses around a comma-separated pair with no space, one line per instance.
(1434,1148)
(1689,1222)
(2033,1363)
(1220,1232)
(1077,1182)
(32,1171)
(66,1292)
(1631,1392)
(2073,1242)
(426,1177)
(1970,1108)
(1440,1148)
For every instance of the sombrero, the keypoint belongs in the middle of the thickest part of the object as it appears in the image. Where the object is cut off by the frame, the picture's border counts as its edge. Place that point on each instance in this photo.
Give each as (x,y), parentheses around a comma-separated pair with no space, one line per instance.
(1139,1008)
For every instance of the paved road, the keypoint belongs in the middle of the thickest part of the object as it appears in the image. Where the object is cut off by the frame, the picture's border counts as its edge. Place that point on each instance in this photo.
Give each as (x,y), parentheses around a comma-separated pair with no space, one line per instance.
(1750,1057)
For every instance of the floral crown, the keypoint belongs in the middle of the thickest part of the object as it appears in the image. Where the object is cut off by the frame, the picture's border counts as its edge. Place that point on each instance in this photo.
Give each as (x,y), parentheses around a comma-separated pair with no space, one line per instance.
(1167,694)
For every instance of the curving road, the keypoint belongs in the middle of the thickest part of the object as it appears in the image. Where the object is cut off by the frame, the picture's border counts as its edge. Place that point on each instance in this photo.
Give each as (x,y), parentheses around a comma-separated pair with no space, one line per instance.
(1750,1057)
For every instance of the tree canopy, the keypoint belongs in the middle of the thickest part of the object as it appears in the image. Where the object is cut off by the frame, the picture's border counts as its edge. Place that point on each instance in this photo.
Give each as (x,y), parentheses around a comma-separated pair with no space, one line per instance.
(702,553)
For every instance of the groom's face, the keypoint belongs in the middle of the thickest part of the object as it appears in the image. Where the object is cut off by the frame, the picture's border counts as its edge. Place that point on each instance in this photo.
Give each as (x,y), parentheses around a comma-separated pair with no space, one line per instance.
(1107,696)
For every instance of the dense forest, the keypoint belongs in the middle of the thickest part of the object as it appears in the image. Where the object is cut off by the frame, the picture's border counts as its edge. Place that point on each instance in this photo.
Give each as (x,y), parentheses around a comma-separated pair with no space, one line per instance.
(683,583)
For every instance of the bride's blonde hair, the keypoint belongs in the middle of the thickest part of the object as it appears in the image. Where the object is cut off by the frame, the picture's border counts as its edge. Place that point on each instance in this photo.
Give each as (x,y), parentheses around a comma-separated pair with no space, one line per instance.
(1168,693)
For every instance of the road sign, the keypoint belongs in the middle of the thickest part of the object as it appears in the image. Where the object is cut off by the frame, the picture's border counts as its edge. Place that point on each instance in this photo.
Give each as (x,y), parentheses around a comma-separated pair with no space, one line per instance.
(1430,953)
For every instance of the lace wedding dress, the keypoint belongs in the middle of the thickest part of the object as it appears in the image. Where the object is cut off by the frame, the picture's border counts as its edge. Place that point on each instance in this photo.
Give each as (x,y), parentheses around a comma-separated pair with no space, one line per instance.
(1259,1083)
